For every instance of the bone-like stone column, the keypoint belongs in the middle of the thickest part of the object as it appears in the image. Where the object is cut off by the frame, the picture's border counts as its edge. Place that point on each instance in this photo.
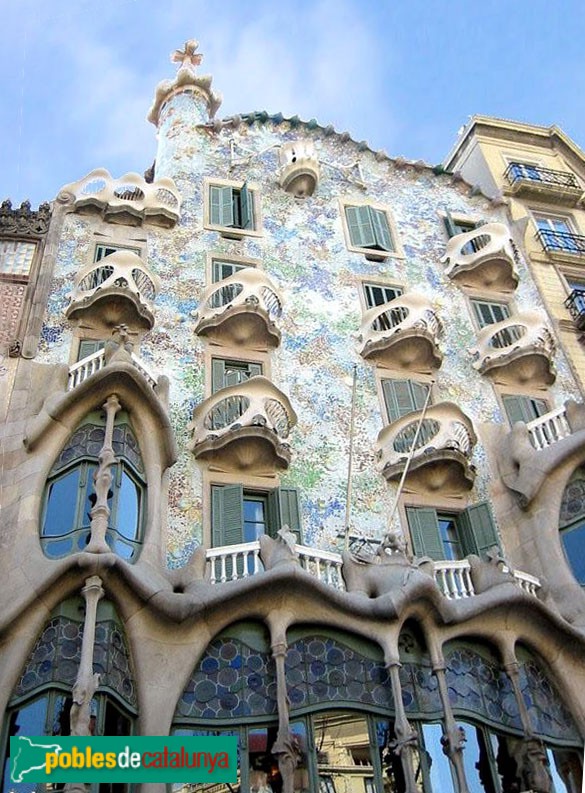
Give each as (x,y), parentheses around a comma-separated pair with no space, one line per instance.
(406,741)
(100,512)
(284,748)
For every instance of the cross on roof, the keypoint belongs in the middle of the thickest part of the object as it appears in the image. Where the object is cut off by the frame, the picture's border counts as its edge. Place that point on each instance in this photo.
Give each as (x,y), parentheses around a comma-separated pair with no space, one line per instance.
(187,57)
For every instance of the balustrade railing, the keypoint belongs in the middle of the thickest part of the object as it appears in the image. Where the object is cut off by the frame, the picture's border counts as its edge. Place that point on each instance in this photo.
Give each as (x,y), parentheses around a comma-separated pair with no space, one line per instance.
(549,428)
(518,171)
(576,305)
(236,562)
(83,369)
(562,241)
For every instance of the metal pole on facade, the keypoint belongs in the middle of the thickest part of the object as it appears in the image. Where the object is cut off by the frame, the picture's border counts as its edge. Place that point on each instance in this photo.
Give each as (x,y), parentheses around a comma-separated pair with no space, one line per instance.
(350,457)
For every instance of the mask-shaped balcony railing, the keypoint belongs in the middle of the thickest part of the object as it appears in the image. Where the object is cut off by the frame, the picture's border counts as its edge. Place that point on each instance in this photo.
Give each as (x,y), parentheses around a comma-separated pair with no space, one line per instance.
(82,370)
(482,257)
(442,444)
(122,279)
(519,349)
(129,200)
(242,310)
(405,330)
(576,305)
(299,168)
(244,426)
(559,187)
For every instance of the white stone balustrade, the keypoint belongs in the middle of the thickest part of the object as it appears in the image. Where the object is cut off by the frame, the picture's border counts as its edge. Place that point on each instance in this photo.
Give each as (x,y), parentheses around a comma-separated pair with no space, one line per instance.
(522,334)
(549,428)
(444,428)
(80,371)
(255,402)
(453,577)
(403,320)
(482,256)
(130,199)
(299,168)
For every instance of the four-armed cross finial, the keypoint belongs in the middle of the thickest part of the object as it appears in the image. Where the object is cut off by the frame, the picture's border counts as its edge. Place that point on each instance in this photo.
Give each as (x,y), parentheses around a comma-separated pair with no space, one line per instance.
(187,57)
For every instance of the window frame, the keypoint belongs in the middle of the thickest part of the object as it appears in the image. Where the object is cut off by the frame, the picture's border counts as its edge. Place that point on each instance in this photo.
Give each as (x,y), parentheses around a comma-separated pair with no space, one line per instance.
(542,397)
(137,249)
(371,253)
(232,232)
(240,262)
(372,283)
(475,299)
(420,382)
(470,542)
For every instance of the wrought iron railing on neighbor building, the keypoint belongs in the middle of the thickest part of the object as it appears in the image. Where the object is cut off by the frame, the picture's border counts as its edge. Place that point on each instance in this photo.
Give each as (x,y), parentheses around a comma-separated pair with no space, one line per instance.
(562,241)
(522,171)
(576,305)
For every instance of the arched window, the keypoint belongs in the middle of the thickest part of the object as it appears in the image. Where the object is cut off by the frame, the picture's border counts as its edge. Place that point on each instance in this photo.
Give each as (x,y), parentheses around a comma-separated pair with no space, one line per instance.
(572,524)
(41,701)
(70,494)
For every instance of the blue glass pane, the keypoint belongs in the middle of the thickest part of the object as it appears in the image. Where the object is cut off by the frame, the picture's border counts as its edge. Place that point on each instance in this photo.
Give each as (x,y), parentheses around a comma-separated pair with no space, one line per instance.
(574,545)
(58,548)
(29,720)
(88,501)
(471,758)
(128,506)
(440,770)
(61,505)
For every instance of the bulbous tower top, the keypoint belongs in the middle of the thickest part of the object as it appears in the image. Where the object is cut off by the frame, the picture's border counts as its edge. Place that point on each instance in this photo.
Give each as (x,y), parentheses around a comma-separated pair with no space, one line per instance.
(186,81)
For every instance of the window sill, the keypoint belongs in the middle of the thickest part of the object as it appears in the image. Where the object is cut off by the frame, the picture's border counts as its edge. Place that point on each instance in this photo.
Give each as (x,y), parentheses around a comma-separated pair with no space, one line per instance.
(233,233)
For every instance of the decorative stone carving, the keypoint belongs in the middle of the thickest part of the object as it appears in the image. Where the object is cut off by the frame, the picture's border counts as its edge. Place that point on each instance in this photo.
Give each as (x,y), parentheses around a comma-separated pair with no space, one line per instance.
(486,574)
(299,168)
(280,550)
(87,682)
(532,766)
(103,477)
(386,573)
(23,221)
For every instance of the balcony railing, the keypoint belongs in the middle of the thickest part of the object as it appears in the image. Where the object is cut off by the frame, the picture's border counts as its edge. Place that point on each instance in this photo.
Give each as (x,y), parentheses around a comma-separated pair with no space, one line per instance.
(549,428)
(521,335)
(237,562)
(407,321)
(482,257)
(80,371)
(576,305)
(444,437)
(518,171)
(237,306)
(130,199)
(562,242)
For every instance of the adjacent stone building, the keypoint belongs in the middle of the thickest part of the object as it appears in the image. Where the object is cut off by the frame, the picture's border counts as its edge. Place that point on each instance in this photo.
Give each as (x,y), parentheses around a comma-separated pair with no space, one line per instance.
(292,451)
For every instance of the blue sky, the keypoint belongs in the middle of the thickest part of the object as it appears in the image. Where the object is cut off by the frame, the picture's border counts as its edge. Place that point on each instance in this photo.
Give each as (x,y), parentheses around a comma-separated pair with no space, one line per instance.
(79,75)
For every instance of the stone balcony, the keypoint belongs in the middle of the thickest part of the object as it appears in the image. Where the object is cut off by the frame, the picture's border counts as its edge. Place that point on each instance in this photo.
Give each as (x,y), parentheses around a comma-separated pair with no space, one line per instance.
(119,289)
(437,450)
(453,578)
(241,310)
(403,332)
(519,349)
(299,168)
(482,258)
(80,371)
(129,200)
(244,427)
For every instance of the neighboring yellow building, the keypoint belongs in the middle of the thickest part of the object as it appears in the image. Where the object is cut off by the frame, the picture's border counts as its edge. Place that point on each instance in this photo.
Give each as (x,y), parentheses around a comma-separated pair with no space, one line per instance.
(541,172)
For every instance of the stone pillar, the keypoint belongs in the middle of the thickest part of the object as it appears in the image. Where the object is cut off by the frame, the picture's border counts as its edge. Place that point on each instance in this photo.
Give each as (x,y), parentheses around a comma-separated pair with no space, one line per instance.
(284,747)
(406,740)
(531,756)
(453,739)
(100,512)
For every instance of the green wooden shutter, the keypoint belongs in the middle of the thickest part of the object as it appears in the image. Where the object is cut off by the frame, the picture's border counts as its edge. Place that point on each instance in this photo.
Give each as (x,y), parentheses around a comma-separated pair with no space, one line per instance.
(284,510)
(450,225)
(477,529)
(424,532)
(221,208)
(381,228)
(87,347)
(521,408)
(246,208)
(403,396)
(227,515)
(254,369)
(217,374)
(359,223)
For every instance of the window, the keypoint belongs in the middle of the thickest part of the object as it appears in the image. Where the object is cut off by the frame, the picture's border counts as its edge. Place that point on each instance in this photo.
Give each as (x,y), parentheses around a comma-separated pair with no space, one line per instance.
(380,294)
(403,396)
(443,535)
(488,313)
(523,408)
(89,346)
(225,373)
(572,524)
(459,226)
(70,494)
(242,515)
(232,206)
(16,257)
(221,269)
(368,229)
(556,233)
(576,299)
(103,250)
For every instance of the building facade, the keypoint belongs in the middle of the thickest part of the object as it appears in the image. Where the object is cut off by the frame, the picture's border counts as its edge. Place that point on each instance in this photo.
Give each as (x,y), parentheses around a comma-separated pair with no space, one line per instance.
(291,451)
